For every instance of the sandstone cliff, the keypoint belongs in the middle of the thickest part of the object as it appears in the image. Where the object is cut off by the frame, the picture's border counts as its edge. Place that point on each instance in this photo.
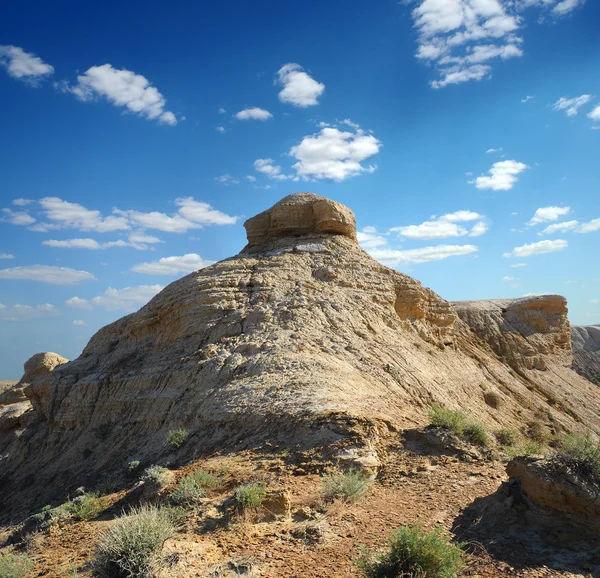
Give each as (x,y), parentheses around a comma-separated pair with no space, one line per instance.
(586,351)
(303,341)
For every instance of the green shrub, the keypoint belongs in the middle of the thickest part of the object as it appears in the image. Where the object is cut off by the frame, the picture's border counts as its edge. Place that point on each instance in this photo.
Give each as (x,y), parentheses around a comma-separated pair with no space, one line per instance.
(156,475)
(584,454)
(508,437)
(414,553)
(86,507)
(250,496)
(133,466)
(132,547)
(188,492)
(459,424)
(177,437)
(176,514)
(350,486)
(205,480)
(15,565)
(537,433)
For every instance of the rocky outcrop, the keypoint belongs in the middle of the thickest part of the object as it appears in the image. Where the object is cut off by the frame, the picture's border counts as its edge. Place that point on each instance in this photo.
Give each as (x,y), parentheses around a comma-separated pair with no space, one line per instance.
(525,333)
(36,382)
(303,341)
(586,351)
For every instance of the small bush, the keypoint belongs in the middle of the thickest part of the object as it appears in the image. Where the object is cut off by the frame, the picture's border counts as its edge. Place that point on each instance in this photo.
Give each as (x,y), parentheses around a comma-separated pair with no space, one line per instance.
(459,424)
(177,437)
(414,553)
(584,454)
(133,466)
(176,514)
(156,475)
(508,437)
(537,433)
(132,547)
(15,565)
(188,492)
(350,486)
(250,496)
(86,507)
(205,480)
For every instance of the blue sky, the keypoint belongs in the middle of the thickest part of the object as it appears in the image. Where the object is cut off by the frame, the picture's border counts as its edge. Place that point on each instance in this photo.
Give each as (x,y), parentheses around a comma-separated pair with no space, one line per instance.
(136,139)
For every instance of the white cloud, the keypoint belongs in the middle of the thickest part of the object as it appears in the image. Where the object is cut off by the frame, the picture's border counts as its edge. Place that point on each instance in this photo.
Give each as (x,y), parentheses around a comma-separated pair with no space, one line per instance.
(24,65)
(220,129)
(590,227)
(462,37)
(79,323)
(271,170)
(537,248)
(173,265)
(571,105)
(22,202)
(299,88)
(508,278)
(6,256)
(90,244)
(443,227)
(369,239)
(251,178)
(226,180)
(253,113)
(490,151)
(127,299)
(76,216)
(595,114)
(47,274)
(201,213)
(527,98)
(334,154)
(17,217)
(560,228)
(518,265)
(395,257)
(502,176)
(548,214)
(122,88)
(144,239)
(222,110)
(26,312)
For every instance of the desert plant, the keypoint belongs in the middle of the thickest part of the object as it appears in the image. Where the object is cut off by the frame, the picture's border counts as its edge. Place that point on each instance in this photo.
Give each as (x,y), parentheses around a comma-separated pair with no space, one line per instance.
(508,437)
(250,496)
(537,433)
(133,466)
(350,486)
(156,475)
(583,453)
(414,553)
(14,565)
(205,480)
(188,492)
(132,547)
(86,507)
(459,424)
(177,437)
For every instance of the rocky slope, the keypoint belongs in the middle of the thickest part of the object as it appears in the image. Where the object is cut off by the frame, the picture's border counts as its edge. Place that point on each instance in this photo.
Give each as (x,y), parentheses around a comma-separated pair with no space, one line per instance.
(301,341)
(586,351)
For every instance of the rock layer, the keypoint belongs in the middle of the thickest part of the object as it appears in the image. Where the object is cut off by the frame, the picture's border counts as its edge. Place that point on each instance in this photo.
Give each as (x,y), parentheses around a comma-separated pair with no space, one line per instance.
(586,351)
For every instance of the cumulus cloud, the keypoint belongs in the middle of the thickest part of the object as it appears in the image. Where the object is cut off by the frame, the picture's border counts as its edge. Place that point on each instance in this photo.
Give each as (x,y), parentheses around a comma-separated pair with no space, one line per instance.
(299,88)
(538,248)
(396,257)
(122,88)
(502,176)
(24,65)
(444,227)
(571,105)
(47,274)
(6,256)
(16,217)
(253,113)
(226,180)
(270,169)
(590,227)
(518,265)
(595,114)
(509,278)
(462,37)
(369,239)
(83,244)
(527,98)
(548,214)
(173,265)
(334,154)
(26,312)
(76,216)
(126,299)
(79,323)
(560,227)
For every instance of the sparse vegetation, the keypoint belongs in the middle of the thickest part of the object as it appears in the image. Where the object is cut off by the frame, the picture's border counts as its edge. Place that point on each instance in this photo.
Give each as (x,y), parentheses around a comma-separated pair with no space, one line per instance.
(156,475)
(537,433)
(414,553)
(86,507)
(459,424)
(13,565)
(133,466)
(508,437)
(250,496)
(188,492)
(132,547)
(205,480)
(350,486)
(583,454)
(177,437)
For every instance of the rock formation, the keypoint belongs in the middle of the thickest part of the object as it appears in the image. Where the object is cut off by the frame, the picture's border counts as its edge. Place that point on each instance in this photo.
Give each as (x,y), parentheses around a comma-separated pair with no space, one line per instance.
(586,351)
(302,341)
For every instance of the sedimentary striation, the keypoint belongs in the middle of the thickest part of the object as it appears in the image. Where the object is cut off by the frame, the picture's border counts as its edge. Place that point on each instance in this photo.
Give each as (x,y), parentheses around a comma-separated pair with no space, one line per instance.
(586,351)
(303,341)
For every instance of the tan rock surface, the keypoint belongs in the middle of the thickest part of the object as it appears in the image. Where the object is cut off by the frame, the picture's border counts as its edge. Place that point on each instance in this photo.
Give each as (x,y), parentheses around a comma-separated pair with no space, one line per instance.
(586,351)
(302,340)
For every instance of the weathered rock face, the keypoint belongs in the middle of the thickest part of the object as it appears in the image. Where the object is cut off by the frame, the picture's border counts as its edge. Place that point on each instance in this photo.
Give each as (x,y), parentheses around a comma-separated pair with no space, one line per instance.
(586,351)
(302,340)
(523,332)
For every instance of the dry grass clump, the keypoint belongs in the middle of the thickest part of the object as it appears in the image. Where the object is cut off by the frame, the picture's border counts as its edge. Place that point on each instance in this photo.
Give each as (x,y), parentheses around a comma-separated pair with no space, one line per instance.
(13,565)
(350,486)
(582,454)
(459,424)
(250,496)
(193,487)
(86,507)
(132,547)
